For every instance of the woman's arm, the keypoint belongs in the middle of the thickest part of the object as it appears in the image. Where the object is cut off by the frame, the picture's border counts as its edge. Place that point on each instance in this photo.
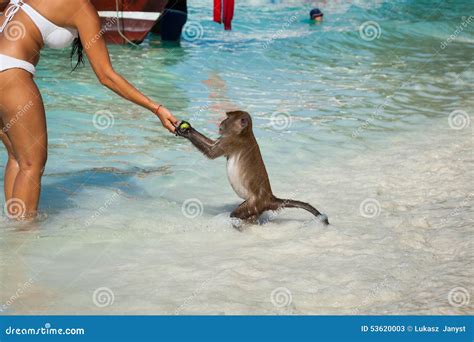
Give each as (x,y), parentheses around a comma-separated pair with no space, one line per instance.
(87,22)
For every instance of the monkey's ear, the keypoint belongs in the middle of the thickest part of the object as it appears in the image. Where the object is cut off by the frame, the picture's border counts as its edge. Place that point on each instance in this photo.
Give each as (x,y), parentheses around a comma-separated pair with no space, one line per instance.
(244,122)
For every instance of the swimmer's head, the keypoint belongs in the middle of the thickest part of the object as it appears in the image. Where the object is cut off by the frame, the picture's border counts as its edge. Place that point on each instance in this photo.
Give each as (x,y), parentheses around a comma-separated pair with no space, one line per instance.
(316,14)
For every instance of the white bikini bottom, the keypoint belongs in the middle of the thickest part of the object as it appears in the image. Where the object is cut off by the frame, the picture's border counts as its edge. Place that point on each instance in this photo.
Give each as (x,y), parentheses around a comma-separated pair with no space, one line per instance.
(7,62)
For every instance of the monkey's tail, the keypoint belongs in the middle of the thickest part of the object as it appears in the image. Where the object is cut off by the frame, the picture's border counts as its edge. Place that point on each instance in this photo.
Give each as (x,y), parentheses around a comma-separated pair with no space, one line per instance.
(288,203)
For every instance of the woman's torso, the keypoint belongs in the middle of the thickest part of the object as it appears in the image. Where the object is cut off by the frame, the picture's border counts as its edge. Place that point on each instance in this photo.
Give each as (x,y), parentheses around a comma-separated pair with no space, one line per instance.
(24,40)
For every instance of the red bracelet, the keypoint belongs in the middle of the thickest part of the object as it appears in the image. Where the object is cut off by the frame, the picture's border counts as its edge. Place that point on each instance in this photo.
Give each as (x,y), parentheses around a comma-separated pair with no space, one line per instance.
(157,109)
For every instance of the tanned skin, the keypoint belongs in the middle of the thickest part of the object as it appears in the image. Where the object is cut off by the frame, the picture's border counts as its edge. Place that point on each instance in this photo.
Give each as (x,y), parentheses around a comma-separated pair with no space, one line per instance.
(26,141)
(245,167)
(3,4)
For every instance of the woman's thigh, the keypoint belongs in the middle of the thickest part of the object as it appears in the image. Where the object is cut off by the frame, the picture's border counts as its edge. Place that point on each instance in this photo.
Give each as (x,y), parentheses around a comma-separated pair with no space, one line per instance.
(4,137)
(23,116)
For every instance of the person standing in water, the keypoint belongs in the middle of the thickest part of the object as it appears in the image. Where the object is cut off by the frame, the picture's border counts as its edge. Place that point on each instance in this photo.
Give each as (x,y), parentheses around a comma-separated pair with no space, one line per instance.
(316,14)
(25,27)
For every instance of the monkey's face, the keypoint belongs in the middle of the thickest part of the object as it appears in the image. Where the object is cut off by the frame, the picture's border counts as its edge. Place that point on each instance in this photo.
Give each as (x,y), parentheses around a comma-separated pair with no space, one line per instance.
(235,124)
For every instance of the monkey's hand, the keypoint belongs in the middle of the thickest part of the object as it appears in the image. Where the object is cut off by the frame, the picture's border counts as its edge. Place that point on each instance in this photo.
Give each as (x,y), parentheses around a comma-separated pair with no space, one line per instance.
(210,148)
(183,129)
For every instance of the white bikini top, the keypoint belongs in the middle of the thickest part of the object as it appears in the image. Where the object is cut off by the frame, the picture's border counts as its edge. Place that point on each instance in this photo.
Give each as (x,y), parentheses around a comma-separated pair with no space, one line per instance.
(54,36)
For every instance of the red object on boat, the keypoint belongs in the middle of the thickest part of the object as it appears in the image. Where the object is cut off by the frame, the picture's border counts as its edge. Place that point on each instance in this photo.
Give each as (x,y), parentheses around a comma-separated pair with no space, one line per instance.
(224,12)
(218,11)
(132,20)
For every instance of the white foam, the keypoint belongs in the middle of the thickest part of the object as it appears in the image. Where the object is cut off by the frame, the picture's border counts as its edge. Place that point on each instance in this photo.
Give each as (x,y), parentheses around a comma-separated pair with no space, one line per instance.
(404,260)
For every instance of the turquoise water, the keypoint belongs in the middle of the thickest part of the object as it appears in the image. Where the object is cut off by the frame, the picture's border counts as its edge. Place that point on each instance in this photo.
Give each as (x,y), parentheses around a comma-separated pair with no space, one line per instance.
(341,117)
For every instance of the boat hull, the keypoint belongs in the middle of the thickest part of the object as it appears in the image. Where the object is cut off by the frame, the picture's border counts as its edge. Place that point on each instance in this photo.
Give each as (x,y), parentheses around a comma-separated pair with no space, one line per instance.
(132,22)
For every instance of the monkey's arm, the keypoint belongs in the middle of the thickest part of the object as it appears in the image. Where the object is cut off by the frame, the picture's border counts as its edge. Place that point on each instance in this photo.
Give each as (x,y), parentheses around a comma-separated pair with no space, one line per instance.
(210,148)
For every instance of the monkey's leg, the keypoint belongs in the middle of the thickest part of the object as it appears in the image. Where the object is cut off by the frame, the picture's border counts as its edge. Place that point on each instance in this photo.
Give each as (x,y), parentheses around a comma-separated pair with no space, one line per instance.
(246,212)
(240,210)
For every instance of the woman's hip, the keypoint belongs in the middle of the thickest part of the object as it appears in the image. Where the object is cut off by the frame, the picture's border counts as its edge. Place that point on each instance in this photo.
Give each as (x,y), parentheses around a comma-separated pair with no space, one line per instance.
(8,63)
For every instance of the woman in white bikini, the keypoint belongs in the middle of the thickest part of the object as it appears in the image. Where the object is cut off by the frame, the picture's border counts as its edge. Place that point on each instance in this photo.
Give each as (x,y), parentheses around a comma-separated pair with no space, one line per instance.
(25,28)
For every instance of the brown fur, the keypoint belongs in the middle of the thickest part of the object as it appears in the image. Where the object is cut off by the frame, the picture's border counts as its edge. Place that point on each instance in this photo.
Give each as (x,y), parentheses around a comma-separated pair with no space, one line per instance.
(246,171)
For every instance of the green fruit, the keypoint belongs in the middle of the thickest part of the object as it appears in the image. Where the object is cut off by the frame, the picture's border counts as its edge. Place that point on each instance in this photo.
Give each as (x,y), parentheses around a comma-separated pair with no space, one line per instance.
(184,125)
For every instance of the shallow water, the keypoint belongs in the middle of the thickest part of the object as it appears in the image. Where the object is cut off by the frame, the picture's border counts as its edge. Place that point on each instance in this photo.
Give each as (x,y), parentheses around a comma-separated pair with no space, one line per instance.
(137,219)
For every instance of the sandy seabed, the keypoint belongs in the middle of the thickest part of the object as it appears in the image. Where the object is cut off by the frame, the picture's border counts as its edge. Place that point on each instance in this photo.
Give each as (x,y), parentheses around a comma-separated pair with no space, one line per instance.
(400,242)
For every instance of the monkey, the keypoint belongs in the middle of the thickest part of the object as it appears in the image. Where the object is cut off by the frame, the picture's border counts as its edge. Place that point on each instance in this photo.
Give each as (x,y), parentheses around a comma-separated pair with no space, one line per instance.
(245,167)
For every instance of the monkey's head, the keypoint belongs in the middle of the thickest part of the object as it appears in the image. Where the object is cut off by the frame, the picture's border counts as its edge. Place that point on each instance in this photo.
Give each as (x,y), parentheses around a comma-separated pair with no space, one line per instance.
(237,123)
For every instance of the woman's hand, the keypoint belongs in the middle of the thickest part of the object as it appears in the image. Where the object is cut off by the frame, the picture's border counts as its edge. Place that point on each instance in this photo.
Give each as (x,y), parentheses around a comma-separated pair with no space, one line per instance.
(167,119)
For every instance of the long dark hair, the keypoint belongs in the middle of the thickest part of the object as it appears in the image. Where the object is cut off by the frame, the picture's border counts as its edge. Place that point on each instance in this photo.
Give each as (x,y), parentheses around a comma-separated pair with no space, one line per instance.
(78,49)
